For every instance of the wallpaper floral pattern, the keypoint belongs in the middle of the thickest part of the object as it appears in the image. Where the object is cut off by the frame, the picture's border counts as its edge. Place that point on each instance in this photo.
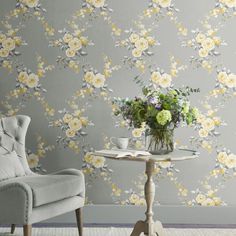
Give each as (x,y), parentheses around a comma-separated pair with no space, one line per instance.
(139,44)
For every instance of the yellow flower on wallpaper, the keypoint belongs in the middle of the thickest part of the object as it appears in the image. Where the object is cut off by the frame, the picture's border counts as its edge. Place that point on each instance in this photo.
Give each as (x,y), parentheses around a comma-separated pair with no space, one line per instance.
(67,37)
(98,80)
(33,160)
(70,52)
(165,80)
(98,3)
(8,44)
(89,77)
(203,52)
(141,44)
(231,81)
(222,77)
(136,52)
(208,124)
(75,124)
(2,37)
(70,133)
(98,161)
(67,118)
(31,3)
(208,44)
(156,77)
(133,38)
(164,3)
(32,80)
(203,133)
(4,52)
(200,38)
(75,44)
(23,77)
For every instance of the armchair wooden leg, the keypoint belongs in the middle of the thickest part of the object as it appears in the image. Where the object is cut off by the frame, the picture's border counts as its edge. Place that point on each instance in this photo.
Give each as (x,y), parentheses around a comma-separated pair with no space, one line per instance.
(27,230)
(79,219)
(13,227)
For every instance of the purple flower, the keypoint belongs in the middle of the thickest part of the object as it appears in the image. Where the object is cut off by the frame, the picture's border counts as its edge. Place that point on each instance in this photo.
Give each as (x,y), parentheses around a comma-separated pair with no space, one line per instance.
(158,106)
(153,100)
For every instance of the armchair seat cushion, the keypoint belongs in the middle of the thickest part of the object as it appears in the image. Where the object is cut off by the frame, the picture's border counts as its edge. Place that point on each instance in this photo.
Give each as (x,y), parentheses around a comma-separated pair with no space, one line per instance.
(51,188)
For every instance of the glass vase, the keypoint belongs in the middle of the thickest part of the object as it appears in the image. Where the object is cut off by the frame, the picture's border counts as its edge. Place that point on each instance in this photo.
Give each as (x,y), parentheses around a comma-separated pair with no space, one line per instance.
(159,141)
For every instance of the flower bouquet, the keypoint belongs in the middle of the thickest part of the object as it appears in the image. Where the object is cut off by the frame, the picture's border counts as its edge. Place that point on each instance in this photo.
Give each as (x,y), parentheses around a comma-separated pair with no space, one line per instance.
(160,112)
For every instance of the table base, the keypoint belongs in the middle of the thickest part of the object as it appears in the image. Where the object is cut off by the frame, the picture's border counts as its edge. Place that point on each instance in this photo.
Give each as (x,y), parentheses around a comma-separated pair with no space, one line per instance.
(154,229)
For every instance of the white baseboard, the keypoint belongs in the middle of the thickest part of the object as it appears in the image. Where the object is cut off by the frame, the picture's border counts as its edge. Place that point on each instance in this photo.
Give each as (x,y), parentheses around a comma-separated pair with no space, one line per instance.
(115,214)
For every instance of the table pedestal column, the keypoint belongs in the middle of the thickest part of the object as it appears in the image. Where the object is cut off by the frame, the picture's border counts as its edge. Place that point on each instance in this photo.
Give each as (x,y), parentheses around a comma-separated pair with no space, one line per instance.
(149,227)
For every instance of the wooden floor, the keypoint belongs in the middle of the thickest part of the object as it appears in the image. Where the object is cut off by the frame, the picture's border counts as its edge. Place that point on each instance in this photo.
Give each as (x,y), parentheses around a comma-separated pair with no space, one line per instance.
(118,232)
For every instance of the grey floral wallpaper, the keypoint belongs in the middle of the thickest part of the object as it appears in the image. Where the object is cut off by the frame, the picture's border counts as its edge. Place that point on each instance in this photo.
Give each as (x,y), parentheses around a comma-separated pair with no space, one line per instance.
(63,62)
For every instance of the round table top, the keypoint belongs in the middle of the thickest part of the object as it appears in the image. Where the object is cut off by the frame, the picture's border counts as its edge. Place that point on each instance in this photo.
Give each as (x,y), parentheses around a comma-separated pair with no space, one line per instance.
(176,155)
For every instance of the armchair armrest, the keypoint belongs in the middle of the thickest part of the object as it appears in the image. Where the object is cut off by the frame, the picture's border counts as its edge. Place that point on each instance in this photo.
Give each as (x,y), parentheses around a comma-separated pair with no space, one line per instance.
(72,172)
(15,202)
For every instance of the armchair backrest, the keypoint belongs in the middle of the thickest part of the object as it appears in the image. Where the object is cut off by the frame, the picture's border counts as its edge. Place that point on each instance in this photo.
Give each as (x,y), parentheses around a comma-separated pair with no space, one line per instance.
(12,137)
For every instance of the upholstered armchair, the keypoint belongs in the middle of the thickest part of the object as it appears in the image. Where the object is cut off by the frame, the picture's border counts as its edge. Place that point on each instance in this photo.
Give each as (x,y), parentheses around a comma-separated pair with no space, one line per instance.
(26,197)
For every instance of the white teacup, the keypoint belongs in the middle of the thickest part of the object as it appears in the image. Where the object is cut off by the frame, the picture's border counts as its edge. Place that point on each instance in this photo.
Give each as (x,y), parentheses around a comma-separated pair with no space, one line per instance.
(121,143)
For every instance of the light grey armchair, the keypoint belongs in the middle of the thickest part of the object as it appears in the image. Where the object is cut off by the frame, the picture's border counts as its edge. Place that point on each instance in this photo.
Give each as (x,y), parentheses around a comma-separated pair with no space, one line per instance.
(26,197)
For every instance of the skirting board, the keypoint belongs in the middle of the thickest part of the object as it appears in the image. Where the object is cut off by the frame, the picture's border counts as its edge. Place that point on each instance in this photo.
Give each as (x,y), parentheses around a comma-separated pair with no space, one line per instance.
(116,214)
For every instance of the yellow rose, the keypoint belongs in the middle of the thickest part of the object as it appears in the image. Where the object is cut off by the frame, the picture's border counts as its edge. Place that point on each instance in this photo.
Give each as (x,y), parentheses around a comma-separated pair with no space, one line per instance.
(208,202)
(136,52)
(9,44)
(32,81)
(222,77)
(4,52)
(164,3)
(203,133)
(75,44)
(2,37)
(70,133)
(230,3)
(67,118)
(231,161)
(151,41)
(217,201)
(137,133)
(141,44)
(208,44)
(208,124)
(33,160)
(89,77)
(200,198)
(18,41)
(203,52)
(23,77)
(217,41)
(84,121)
(75,124)
(99,80)
(88,158)
(98,3)
(134,199)
(133,37)
(31,3)
(84,40)
(98,161)
(67,37)
(200,38)
(156,77)
(165,81)
(222,157)
(70,52)
(231,81)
